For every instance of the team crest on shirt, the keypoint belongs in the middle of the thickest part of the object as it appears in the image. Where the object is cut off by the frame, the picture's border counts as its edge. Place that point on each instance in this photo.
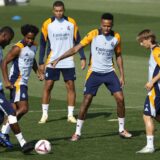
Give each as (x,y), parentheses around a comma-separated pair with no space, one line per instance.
(112,44)
(68,28)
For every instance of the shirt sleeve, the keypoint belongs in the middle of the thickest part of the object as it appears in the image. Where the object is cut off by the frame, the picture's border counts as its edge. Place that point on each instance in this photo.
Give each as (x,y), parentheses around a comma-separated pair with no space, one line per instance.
(89,37)
(118,49)
(43,40)
(156,55)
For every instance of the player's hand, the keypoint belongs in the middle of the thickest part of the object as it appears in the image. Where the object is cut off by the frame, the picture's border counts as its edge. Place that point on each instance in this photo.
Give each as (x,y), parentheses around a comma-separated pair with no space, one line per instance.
(8,85)
(41,68)
(122,82)
(54,63)
(83,64)
(149,86)
(40,75)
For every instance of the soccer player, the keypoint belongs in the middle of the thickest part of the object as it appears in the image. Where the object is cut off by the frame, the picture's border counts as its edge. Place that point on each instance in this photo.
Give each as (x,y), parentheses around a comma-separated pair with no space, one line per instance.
(61,33)
(6,35)
(22,56)
(147,39)
(104,43)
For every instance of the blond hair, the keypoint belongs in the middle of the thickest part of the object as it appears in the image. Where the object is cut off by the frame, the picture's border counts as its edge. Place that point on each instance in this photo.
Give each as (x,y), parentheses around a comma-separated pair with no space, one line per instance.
(146,34)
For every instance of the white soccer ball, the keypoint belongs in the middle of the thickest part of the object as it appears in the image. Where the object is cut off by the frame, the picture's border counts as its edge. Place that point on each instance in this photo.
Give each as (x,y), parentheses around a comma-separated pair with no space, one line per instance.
(43,147)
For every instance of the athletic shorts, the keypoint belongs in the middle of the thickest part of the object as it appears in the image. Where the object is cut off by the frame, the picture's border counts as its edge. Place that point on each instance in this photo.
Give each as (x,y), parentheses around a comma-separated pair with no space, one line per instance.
(19,93)
(95,80)
(54,74)
(5,106)
(152,106)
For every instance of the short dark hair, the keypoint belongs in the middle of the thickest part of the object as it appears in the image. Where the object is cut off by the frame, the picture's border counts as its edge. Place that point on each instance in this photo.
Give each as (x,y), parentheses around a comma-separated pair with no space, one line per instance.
(58,4)
(25,29)
(7,29)
(107,16)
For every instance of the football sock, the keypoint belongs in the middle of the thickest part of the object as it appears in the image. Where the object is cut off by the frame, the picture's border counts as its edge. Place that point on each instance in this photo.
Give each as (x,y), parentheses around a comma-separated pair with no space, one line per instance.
(45,109)
(150,142)
(70,110)
(79,126)
(6,128)
(20,139)
(121,124)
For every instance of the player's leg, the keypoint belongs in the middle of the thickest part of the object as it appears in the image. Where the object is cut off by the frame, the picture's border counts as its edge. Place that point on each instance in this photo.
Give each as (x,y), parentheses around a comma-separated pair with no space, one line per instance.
(6,126)
(22,109)
(69,77)
(26,147)
(91,87)
(113,84)
(51,75)
(149,112)
(46,96)
(7,108)
(81,116)
(71,97)
(19,99)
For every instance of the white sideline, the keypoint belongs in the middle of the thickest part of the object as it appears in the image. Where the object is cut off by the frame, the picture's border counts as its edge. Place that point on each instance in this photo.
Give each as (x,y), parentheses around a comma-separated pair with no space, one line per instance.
(90,109)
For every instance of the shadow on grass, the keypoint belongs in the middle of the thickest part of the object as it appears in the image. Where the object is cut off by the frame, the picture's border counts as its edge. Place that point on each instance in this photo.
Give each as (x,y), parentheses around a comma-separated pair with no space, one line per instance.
(89,116)
(138,133)
(54,141)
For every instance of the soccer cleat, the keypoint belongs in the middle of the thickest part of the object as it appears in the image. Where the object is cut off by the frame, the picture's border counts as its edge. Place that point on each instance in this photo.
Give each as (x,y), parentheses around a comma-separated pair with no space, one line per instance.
(27,147)
(125,134)
(4,141)
(43,119)
(146,150)
(75,137)
(72,119)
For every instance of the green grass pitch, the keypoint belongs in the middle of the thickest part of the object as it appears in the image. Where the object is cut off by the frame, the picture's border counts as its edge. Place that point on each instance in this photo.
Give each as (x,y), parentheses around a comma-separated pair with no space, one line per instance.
(100,140)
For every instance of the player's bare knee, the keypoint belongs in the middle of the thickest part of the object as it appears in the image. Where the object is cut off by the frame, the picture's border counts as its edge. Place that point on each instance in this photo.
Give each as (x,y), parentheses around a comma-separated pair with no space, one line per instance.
(120,101)
(24,110)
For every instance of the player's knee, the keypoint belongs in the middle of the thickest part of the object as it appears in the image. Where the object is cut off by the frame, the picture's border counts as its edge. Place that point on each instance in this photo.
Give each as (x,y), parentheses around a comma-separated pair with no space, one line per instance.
(12,119)
(120,100)
(87,100)
(24,110)
(70,86)
(48,88)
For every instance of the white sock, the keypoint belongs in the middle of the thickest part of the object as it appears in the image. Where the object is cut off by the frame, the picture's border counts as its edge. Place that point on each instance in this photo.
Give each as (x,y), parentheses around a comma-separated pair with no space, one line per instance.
(45,109)
(6,128)
(70,110)
(150,141)
(79,126)
(20,139)
(121,122)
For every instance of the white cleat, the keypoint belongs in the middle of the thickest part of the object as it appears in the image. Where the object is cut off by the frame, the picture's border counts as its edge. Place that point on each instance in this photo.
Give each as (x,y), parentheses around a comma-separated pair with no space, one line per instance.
(146,150)
(72,119)
(125,134)
(43,119)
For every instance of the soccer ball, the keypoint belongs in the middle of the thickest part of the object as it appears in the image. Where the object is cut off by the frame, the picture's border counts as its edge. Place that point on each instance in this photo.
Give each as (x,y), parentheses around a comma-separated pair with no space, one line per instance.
(43,147)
